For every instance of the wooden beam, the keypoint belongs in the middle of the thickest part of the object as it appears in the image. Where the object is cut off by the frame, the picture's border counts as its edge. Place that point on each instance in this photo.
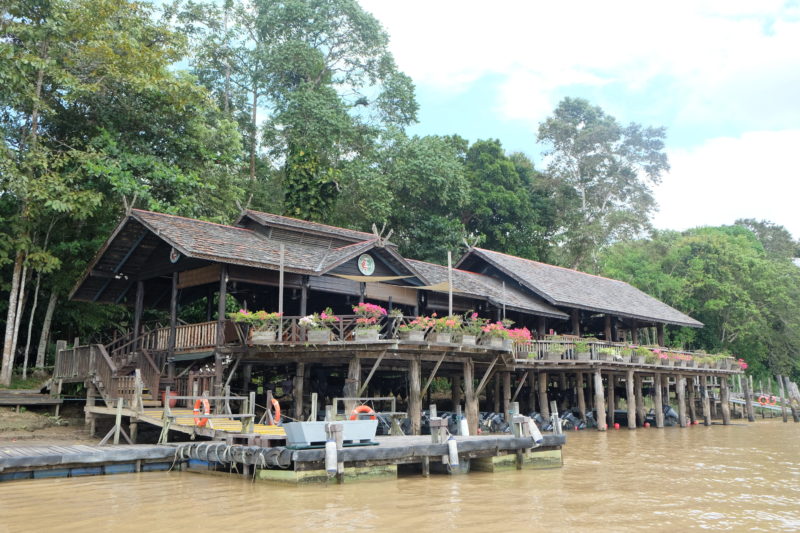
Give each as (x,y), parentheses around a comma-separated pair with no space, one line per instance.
(486,376)
(599,401)
(725,398)
(414,396)
(471,397)
(433,375)
(520,385)
(680,392)
(581,396)
(371,373)
(630,399)
(544,405)
(658,405)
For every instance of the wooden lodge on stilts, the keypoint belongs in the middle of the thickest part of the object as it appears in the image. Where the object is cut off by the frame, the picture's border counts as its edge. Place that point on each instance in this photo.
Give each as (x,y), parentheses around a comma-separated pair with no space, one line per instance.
(195,273)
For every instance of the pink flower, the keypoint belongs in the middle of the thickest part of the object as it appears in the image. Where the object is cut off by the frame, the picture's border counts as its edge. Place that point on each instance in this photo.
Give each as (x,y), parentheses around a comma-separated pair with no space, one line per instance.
(474,316)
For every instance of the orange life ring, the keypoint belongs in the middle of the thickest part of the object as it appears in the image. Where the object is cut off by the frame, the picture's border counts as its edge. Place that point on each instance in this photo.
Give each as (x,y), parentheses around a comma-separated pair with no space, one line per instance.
(763,400)
(362,409)
(276,418)
(201,422)
(773,400)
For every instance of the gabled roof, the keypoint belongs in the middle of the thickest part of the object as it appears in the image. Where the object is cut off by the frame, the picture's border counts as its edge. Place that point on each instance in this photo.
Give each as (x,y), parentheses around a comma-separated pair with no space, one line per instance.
(137,236)
(268,219)
(485,287)
(571,288)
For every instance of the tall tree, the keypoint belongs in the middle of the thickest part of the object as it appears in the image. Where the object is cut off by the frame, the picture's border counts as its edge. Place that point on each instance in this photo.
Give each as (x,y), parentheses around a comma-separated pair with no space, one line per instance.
(776,239)
(611,169)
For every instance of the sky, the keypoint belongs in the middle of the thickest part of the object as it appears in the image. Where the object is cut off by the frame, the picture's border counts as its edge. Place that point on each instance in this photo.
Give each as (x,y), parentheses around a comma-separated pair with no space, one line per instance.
(722,77)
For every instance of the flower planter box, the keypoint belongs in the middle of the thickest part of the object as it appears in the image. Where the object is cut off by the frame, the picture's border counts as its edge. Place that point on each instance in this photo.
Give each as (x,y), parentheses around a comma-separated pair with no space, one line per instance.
(440,338)
(414,335)
(604,357)
(666,362)
(723,365)
(469,340)
(637,359)
(496,342)
(318,335)
(583,356)
(264,337)
(552,356)
(366,335)
(625,359)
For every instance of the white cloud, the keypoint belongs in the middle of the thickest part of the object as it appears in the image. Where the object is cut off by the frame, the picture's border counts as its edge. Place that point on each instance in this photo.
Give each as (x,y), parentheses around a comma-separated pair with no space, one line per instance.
(755,175)
(718,58)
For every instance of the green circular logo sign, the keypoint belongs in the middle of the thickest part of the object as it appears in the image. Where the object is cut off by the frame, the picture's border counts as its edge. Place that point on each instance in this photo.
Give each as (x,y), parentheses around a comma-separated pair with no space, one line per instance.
(366,264)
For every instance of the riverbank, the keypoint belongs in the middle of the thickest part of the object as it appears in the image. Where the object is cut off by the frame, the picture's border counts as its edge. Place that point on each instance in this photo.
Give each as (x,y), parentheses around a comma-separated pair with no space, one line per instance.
(40,428)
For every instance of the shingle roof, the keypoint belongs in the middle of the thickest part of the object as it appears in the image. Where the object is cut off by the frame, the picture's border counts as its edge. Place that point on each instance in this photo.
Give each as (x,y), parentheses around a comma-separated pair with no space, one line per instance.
(268,219)
(486,287)
(571,288)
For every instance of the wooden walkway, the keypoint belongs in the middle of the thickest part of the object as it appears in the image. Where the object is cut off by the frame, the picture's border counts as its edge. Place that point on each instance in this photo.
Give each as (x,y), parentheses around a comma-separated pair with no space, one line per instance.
(185,417)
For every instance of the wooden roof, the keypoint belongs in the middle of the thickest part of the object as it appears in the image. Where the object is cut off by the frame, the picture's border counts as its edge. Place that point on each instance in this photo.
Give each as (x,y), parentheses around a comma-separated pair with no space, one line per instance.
(488,288)
(565,287)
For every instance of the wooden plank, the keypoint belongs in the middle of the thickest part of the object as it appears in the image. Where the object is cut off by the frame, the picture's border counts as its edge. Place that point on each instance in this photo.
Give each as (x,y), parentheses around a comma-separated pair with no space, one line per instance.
(486,376)
(433,375)
(375,366)
(198,276)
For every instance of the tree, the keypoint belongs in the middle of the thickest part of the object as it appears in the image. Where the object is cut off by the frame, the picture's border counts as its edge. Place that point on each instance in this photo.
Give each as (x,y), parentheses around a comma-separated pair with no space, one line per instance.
(776,240)
(610,167)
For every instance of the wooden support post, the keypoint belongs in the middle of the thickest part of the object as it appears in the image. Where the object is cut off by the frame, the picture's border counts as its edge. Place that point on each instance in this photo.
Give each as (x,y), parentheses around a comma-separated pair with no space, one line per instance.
(455,391)
(173,325)
(611,404)
(680,390)
(541,326)
(506,396)
(91,397)
(748,401)
(658,405)
(693,399)
(299,379)
(471,399)
(59,388)
(782,392)
(634,331)
(641,414)
(660,334)
(544,405)
(352,383)
(496,393)
(137,314)
(576,322)
(581,396)
(375,366)
(118,421)
(788,384)
(562,379)
(706,401)
(631,400)
(725,398)
(414,396)
(599,401)
(607,329)
(133,426)
(304,283)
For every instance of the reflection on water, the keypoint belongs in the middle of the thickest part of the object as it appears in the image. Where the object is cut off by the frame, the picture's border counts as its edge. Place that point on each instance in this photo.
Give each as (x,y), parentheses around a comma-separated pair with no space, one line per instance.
(742,477)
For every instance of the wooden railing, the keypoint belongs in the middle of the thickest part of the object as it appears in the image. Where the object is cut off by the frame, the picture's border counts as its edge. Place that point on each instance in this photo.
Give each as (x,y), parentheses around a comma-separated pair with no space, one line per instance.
(187,337)
(73,364)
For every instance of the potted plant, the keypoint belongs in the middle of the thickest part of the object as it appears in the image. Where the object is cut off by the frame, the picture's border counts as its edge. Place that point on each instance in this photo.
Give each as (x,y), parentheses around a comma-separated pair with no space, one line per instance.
(263,325)
(651,358)
(625,354)
(742,363)
(471,327)
(495,335)
(582,351)
(723,362)
(664,358)
(640,355)
(606,353)
(688,360)
(368,318)
(519,336)
(444,328)
(318,326)
(554,351)
(415,329)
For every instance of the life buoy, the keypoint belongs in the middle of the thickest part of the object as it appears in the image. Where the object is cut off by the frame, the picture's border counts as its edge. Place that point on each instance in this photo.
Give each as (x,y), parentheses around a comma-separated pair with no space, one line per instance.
(773,400)
(362,409)
(763,400)
(198,421)
(276,418)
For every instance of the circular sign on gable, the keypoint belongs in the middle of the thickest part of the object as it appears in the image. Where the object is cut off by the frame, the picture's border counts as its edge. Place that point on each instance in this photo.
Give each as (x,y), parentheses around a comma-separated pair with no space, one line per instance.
(366,264)
(174,255)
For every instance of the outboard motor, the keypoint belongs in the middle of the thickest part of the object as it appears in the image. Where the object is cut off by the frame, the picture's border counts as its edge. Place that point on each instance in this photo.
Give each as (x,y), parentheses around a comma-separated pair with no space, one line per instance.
(570,421)
(544,425)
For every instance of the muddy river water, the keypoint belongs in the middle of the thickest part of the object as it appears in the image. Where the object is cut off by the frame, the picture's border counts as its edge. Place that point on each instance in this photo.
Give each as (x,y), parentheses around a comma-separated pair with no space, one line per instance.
(735,478)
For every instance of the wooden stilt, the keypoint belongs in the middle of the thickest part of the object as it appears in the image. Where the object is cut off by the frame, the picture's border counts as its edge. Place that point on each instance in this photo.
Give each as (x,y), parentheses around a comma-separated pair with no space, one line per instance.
(414,396)
(544,405)
(506,395)
(562,379)
(470,398)
(706,401)
(531,391)
(782,392)
(692,384)
(680,392)
(658,405)
(455,391)
(581,396)
(611,404)
(640,411)
(631,400)
(496,394)
(599,401)
(299,381)
(748,401)
(725,398)
(352,383)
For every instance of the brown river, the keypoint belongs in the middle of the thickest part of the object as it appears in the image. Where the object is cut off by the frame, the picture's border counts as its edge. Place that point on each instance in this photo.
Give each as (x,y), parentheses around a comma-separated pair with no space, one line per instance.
(735,478)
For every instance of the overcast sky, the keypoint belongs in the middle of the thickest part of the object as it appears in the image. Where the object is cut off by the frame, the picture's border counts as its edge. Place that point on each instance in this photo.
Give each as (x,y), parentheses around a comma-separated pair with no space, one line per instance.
(722,77)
